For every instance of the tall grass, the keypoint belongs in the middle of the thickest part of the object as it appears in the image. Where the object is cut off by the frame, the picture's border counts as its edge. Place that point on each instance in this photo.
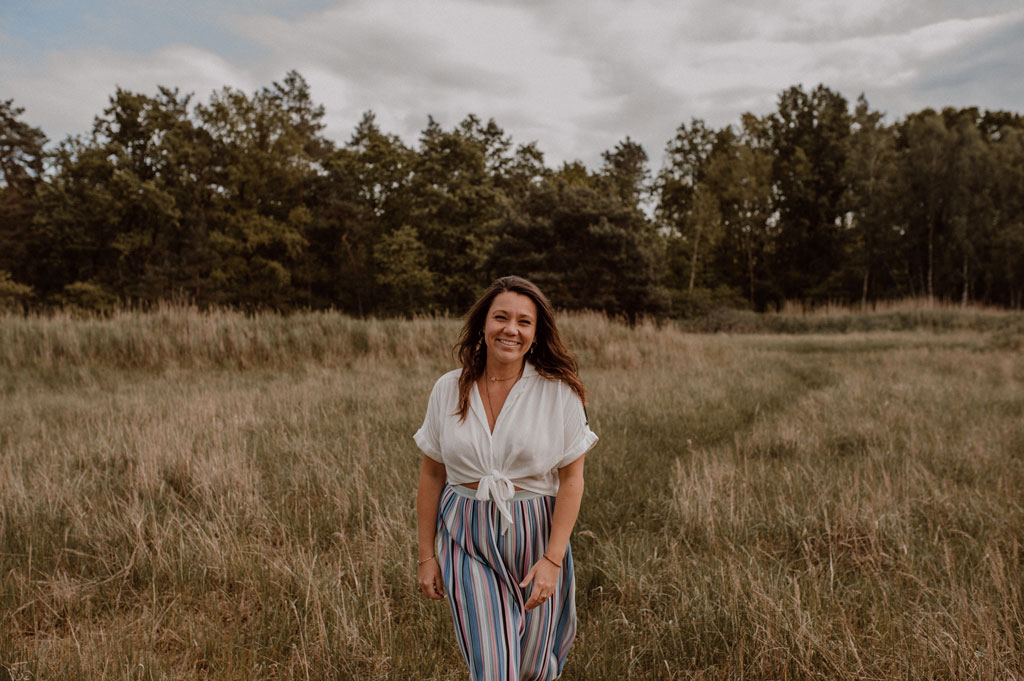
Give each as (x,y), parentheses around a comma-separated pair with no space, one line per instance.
(914,314)
(189,338)
(209,495)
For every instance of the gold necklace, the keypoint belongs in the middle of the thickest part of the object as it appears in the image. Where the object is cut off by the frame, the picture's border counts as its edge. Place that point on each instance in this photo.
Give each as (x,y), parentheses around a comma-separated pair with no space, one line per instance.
(487,389)
(495,379)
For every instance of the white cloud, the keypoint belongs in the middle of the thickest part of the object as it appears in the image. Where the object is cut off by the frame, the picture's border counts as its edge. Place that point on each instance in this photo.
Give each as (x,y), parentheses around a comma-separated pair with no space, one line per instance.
(71,88)
(445,59)
(577,77)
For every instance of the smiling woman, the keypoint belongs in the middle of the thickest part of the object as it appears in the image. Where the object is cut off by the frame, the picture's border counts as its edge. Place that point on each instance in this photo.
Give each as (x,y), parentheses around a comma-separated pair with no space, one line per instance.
(500,487)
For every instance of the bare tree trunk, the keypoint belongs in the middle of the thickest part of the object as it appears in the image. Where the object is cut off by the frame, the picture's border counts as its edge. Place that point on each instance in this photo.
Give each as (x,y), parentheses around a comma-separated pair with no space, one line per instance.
(963,301)
(864,291)
(750,273)
(693,260)
(931,261)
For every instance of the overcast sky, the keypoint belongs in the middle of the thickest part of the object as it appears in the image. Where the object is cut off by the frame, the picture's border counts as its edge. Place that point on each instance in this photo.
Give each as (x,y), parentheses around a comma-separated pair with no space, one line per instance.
(575,76)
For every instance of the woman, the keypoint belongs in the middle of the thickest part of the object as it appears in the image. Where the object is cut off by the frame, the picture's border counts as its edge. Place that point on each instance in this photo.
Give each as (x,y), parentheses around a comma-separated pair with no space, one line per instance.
(500,487)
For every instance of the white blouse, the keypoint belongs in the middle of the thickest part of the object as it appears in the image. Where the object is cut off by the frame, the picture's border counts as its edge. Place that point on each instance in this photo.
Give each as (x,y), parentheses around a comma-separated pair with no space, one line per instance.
(541,427)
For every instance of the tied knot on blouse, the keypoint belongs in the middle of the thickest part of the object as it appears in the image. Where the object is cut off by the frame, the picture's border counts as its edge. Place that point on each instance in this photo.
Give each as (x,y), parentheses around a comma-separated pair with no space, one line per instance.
(541,428)
(498,488)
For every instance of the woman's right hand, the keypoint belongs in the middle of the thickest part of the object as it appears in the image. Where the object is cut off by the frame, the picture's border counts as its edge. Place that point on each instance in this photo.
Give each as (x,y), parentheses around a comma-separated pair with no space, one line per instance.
(428,575)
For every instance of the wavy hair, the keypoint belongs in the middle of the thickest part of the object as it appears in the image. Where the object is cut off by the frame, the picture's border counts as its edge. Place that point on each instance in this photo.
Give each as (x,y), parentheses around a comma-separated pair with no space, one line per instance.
(549,355)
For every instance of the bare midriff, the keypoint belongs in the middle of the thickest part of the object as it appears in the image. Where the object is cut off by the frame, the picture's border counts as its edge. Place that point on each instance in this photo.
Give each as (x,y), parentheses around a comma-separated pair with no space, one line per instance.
(474,485)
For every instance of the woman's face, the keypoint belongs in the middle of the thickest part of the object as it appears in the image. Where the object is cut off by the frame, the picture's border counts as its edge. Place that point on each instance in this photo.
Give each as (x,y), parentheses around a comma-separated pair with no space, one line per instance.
(510,328)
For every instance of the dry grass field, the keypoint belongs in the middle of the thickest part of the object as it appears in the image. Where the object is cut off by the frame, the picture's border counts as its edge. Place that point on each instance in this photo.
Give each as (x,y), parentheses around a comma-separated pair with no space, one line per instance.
(214,496)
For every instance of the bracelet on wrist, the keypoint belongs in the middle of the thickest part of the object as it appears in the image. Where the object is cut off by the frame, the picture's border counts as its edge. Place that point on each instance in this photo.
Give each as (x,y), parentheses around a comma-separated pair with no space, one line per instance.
(557,565)
(421,562)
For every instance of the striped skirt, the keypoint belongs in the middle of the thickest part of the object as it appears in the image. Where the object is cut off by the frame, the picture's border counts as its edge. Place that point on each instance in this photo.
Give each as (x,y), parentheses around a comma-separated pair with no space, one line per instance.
(482,568)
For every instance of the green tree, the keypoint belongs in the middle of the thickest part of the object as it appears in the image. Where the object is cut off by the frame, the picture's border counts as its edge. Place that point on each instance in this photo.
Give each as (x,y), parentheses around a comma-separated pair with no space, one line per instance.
(368,198)
(143,140)
(124,210)
(1005,266)
(809,133)
(680,216)
(741,175)
(584,246)
(972,212)
(868,205)
(925,184)
(687,159)
(268,157)
(77,221)
(520,173)
(625,171)
(456,205)
(402,273)
(21,169)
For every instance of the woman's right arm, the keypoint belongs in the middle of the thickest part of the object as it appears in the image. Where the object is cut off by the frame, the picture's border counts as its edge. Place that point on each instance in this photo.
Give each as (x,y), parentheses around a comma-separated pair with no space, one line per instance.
(428,495)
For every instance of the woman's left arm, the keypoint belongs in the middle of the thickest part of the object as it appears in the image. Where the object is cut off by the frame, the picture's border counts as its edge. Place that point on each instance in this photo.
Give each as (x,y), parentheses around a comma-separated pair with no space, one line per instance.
(544,573)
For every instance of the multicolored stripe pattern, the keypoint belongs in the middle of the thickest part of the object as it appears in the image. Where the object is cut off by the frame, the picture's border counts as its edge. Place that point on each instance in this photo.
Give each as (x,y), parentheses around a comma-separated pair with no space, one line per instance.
(482,568)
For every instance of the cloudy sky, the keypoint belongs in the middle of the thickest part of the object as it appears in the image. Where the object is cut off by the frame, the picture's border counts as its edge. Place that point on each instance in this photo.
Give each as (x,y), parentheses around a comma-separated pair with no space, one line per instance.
(575,76)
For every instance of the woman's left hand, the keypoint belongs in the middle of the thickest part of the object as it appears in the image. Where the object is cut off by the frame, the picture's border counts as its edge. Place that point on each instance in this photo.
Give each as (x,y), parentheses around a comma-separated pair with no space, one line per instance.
(544,575)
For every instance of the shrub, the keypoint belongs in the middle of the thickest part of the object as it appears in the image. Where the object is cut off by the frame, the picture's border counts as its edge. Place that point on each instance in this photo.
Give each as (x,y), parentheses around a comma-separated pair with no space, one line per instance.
(13,296)
(88,296)
(702,302)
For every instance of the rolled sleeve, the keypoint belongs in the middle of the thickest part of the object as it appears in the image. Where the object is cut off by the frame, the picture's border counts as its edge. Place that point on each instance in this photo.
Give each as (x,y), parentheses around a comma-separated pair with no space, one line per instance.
(578,438)
(428,437)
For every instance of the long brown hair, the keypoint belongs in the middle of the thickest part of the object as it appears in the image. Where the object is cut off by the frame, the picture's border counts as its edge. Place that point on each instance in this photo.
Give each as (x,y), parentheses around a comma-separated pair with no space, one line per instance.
(549,355)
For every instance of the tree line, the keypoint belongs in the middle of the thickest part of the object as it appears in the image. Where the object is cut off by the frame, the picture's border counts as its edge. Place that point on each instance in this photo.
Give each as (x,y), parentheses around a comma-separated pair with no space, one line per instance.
(242,201)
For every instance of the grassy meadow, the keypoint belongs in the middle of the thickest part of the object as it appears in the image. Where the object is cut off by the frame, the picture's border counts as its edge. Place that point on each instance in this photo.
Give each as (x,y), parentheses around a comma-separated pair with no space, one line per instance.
(215,496)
